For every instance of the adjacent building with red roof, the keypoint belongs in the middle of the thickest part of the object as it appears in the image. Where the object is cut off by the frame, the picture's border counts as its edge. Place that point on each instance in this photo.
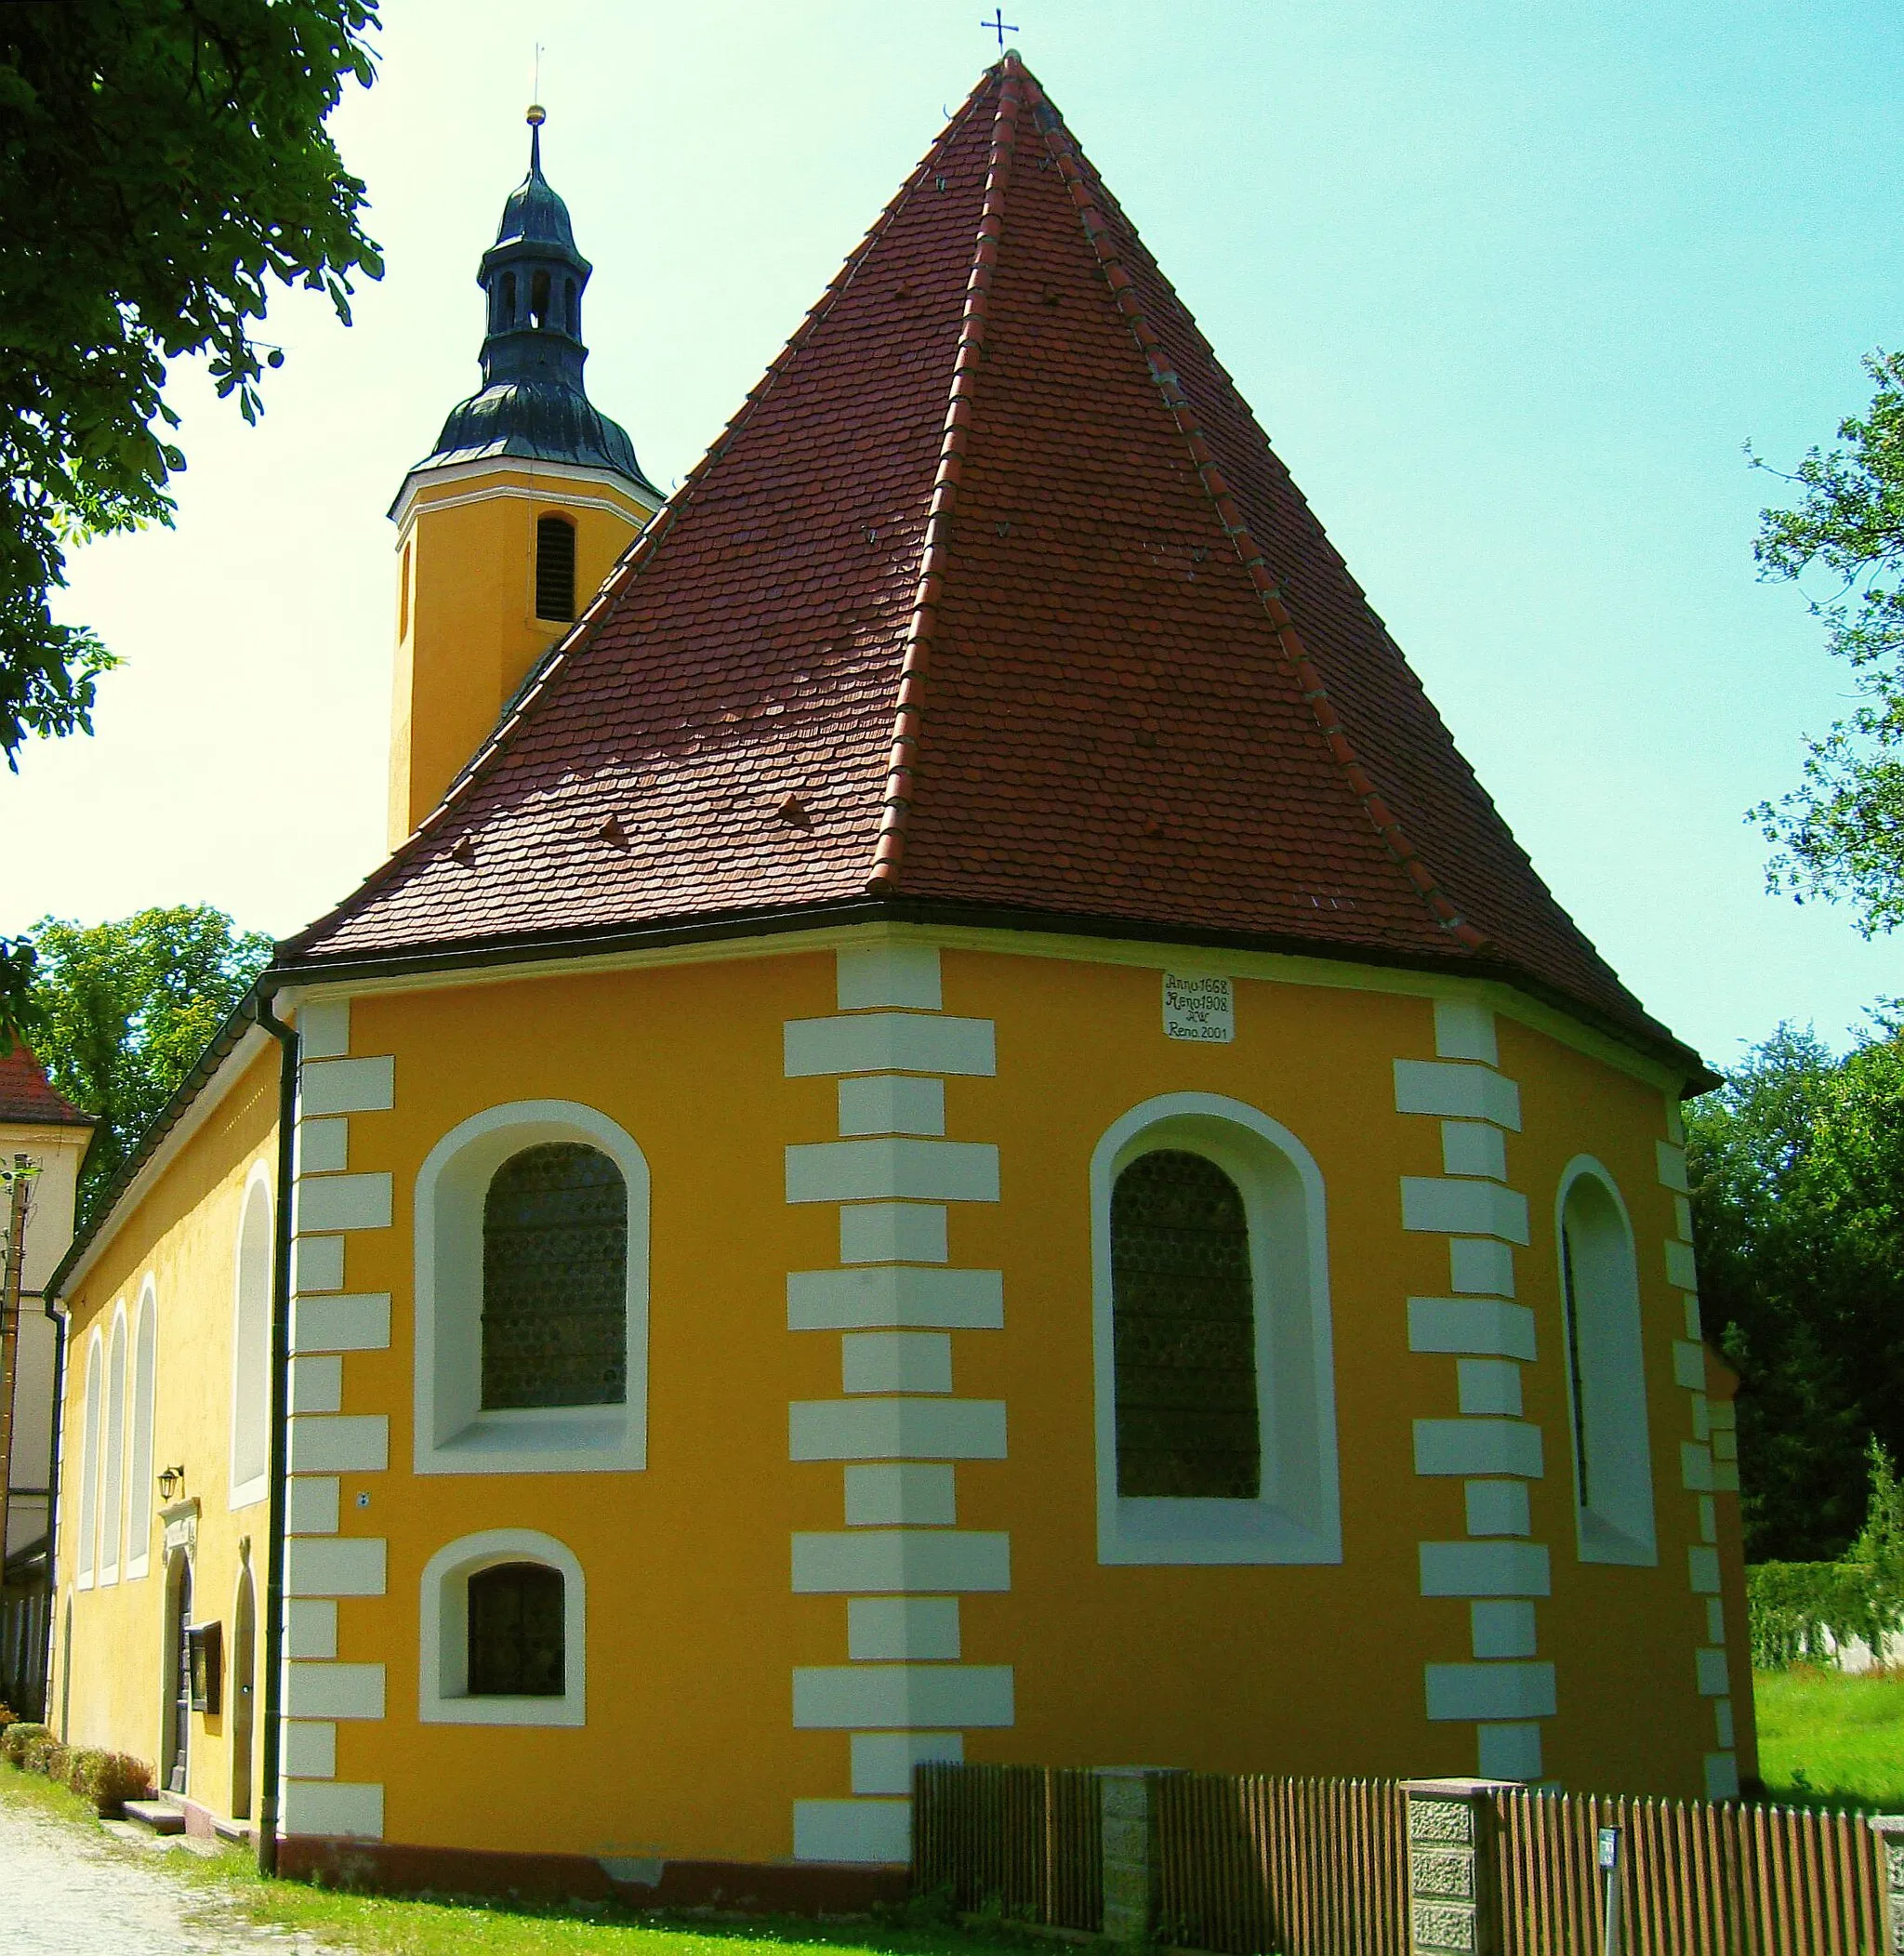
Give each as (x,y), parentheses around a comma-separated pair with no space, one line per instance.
(955,1130)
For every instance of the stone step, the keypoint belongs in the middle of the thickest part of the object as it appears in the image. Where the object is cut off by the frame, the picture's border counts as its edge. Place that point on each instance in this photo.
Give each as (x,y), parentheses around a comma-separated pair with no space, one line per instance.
(160,1816)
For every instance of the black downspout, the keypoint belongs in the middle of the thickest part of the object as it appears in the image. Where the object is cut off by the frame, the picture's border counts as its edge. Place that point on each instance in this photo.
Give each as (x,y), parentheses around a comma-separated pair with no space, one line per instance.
(259,1007)
(53,1480)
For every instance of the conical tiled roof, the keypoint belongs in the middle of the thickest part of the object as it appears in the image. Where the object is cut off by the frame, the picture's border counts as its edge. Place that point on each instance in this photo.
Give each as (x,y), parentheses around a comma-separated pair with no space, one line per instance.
(993,603)
(27,1096)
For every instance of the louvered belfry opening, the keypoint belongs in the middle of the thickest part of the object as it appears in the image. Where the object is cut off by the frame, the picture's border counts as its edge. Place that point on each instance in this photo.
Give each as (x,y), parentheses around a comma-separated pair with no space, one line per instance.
(516,1631)
(555,1255)
(555,568)
(1183,1324)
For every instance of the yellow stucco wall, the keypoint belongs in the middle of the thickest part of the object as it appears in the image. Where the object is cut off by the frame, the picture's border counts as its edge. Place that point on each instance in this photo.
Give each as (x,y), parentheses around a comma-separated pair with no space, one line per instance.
(689,1751)
(467,629)
(183,1239)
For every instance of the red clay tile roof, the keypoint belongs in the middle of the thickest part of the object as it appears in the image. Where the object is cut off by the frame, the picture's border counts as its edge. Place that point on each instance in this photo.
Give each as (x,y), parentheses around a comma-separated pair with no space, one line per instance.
(992,599)
(26,1096)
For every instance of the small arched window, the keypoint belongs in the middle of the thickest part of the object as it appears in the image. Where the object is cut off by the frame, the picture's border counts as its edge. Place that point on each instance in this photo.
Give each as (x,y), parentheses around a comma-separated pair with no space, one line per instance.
(508,300)
(1605,1365)
(504,1627)
(251,1325)
(516,1631)
(1184,1331)
(538,300)
(555,1250)
(555,568)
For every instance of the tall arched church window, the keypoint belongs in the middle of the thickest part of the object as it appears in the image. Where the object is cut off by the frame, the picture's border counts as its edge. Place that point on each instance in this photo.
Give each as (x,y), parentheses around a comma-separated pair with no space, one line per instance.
(89,1464)
(516,1631)
(555,1241)
(251,1318)
(555,568)
(113,1490)
(1606,1367)
(1211,1349)
(145,1352)
(1185,1332)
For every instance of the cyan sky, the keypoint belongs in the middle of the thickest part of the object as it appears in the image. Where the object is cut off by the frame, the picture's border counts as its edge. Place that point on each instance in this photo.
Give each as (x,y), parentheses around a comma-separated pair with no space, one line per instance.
(1508,285)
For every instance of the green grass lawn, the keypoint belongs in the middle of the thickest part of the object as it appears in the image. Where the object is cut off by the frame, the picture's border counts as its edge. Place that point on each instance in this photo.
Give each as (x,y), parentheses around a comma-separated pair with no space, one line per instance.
(439,1926)
(1826,1740)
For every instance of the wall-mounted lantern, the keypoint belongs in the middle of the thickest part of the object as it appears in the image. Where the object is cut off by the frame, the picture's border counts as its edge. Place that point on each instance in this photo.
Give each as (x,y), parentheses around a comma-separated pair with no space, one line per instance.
(170,1480)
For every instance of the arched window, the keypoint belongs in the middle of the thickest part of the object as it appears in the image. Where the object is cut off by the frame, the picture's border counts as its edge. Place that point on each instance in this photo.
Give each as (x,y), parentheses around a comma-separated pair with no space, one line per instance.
(1214,1368)
(538,300)
(508,300)
(145,1352)
(251,1334)
(572,309)
(532,1295)
(555,1248)
(1605,1366)
(555,568)
(89,1464)
(1184,1316)
(113,1490)
(516,1631)
(504,1623)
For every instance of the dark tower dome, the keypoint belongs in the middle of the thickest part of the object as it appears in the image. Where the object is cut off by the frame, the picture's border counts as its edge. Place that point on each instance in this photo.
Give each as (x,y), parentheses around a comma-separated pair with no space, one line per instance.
(534,403)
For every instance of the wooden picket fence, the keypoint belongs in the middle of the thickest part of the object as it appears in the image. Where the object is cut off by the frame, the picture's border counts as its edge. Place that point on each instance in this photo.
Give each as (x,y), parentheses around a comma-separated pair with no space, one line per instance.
(1020,1838)
(1302,1867)
(1700,1878)
(1253,1865)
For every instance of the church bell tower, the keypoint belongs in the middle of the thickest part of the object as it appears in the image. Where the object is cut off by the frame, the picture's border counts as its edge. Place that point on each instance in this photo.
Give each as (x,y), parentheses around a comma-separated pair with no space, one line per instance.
(512,519)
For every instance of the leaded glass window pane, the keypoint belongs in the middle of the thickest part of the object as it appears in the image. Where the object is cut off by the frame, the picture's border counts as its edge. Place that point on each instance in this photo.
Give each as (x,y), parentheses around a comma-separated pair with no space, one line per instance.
(516,1631)
(1183,1331)
(555,1253)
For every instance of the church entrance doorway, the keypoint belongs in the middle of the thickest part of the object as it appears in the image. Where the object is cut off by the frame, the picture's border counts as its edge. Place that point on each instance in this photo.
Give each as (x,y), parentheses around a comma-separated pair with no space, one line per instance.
(179,1673)
(243,1636)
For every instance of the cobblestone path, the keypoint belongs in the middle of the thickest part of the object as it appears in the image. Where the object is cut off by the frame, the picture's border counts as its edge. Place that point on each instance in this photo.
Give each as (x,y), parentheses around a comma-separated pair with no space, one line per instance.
(65,1893)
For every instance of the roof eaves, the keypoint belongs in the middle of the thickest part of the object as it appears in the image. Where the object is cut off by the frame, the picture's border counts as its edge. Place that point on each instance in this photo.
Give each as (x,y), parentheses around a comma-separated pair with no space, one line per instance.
(889,850)
(223,1044)
(1290,649)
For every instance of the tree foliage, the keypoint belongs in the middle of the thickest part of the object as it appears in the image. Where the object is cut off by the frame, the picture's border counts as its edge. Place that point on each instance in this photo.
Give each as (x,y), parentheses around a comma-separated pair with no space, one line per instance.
(163,165)
(1839,835)
(1797,1167)
(125,1008)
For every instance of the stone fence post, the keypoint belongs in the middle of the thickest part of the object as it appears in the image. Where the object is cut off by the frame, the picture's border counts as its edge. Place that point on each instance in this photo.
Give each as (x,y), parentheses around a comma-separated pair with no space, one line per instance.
(1889,1829)
(1127,1831)
(1454,1890)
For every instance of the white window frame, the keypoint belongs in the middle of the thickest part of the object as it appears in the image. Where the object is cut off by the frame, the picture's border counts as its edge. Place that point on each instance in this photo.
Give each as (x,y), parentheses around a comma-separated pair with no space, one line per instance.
(252,1488)
(113,1454)
(140,1467)
(444,1668)
(1297,1517)
(90,1462)
(454,1432)
(1620,1528)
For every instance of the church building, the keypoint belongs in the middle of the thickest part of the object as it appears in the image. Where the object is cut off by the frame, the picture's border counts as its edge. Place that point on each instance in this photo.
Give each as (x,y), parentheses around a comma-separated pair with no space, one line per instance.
(954,1129)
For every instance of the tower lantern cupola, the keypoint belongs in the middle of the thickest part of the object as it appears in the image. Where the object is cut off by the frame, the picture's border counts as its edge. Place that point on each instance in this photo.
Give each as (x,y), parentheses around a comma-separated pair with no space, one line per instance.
(520,510)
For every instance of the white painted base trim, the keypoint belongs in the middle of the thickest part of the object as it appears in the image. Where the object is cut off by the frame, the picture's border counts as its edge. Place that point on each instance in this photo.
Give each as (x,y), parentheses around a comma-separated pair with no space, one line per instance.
(883,1762)
(846,1698)
(874,1832)
(328,1808)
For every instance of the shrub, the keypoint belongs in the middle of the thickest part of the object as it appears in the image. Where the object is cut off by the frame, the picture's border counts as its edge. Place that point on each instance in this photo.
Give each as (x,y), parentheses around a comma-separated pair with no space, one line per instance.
(44,1755)
(16,1737)
(108,1779)
(8,1716)
(1792,1605)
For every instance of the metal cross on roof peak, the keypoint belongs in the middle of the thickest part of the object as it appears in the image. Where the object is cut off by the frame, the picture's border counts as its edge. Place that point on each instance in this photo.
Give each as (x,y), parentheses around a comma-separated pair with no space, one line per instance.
(999,25)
